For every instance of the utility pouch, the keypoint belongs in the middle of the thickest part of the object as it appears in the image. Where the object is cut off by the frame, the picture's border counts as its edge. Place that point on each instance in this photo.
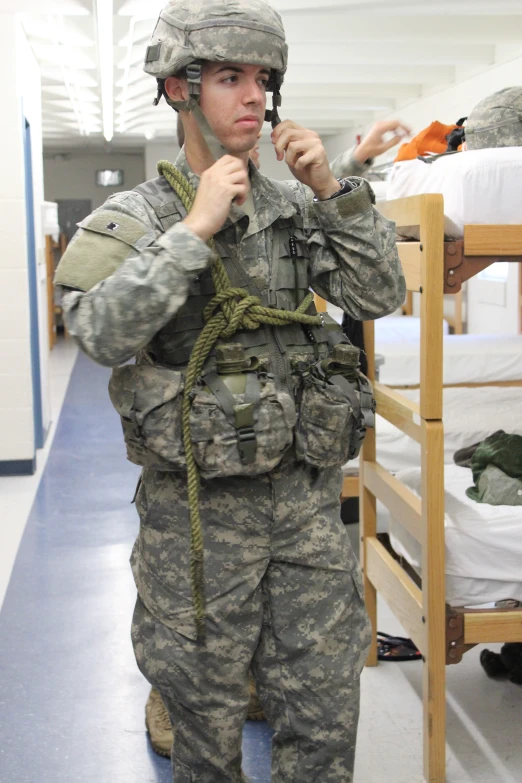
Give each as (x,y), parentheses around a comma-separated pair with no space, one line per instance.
(232,434)
(149,399)
(240,434)
(332,418)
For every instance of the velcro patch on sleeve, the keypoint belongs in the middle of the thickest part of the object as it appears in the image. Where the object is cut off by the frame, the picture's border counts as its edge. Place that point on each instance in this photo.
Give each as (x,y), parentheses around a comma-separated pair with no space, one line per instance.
(104,240)
(120,226)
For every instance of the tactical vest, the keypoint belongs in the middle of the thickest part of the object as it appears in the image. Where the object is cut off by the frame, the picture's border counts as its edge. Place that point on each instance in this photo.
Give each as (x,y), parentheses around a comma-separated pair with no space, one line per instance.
(173,344)
(327,422)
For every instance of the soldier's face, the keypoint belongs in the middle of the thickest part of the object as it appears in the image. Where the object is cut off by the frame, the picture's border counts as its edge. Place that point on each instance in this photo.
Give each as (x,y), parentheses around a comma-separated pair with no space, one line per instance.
(233,99)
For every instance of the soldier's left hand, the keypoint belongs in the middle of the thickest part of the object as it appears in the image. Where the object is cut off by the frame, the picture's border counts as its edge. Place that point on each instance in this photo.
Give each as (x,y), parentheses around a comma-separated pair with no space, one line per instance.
(303,152)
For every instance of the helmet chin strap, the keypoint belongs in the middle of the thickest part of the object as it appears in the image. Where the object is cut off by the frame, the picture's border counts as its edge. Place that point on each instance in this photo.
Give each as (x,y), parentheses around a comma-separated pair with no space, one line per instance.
(272,115)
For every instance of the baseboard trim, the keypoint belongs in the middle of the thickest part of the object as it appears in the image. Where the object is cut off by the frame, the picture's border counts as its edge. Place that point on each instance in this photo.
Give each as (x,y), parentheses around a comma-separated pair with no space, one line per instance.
(18,467)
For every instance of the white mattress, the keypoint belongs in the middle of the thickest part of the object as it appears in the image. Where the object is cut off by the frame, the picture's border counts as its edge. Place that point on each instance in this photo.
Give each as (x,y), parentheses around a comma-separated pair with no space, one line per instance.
(479,186)
(394,328)
(483,542)
(469,415)
(468,358)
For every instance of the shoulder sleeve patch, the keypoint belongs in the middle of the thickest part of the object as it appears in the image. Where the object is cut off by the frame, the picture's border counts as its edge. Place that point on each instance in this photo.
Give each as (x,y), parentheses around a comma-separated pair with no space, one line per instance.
(103,242)
(120,226)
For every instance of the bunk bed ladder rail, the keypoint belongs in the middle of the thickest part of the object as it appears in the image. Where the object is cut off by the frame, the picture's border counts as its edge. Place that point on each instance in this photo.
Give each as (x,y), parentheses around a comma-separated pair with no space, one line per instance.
(420,610)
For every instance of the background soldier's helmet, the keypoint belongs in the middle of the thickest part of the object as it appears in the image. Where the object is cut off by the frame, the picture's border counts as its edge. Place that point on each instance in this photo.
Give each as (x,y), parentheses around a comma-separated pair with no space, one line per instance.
(496,121)
(236,31)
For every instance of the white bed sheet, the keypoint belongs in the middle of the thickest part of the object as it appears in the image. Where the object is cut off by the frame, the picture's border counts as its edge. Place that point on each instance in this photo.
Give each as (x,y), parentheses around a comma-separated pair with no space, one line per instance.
(469,415)
(394,328)
(391,328)
(479,186)
(468,358)
(483,542)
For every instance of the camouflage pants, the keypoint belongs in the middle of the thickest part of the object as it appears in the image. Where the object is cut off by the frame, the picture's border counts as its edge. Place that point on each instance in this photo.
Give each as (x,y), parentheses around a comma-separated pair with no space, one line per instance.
(283,595)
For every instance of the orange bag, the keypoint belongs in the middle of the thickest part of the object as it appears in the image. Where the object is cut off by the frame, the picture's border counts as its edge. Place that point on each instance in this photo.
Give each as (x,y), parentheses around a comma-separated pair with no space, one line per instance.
(430,140)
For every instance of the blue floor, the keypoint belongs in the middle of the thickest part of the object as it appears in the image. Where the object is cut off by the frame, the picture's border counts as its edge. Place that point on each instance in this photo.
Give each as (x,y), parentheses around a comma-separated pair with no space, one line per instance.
(71,697)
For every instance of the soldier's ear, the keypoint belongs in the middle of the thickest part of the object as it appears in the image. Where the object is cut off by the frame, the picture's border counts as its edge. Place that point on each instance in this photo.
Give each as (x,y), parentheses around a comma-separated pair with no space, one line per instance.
(176,88)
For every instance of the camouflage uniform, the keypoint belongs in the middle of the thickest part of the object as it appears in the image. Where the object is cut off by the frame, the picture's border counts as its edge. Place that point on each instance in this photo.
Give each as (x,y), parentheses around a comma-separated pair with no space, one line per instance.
(283,588)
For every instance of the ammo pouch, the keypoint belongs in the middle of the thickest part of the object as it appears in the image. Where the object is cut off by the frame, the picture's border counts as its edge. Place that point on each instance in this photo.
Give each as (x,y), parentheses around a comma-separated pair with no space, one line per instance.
(332,420)
(149,399)
(239,435)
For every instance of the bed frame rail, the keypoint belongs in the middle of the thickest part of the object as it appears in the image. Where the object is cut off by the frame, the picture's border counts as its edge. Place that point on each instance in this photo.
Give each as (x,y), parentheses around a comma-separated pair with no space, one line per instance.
(398,410)
(397,589)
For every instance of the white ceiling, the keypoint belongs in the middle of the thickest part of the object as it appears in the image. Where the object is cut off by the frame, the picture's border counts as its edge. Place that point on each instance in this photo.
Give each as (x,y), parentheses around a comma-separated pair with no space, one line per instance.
(350,60)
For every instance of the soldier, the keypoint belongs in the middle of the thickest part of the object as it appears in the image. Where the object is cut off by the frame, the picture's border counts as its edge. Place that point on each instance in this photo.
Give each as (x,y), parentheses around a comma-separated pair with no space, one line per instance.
(353,162)
(203,275)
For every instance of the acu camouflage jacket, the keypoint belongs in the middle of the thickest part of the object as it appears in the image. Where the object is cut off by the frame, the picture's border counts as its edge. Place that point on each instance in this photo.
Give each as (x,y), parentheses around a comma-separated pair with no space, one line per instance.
(129,283)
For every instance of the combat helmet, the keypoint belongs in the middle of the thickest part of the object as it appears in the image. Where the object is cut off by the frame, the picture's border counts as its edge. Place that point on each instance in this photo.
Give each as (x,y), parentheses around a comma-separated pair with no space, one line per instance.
(189,32)
(496,121)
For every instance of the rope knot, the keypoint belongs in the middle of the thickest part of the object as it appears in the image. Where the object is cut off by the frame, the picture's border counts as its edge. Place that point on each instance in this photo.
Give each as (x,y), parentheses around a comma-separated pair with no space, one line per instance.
(236,308)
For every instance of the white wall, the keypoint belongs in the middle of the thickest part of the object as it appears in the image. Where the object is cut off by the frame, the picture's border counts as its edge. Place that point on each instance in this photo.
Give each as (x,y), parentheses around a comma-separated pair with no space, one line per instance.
(269,165)
(16,400)
(154,152)
(493,307)
(447,106)
(28,81)
(74,176)
(334,145)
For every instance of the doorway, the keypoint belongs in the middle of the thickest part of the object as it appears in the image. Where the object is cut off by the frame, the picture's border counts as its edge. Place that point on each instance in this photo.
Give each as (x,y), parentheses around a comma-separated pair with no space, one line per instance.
(39,435)
(70,212)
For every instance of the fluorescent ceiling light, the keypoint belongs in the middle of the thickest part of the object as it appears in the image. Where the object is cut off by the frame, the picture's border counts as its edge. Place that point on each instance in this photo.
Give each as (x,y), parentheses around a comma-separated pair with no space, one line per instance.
(55,104)
(127,67)
(43,31)
(48,54)
(80,78)
(104,22)
(57,24)
(146,9)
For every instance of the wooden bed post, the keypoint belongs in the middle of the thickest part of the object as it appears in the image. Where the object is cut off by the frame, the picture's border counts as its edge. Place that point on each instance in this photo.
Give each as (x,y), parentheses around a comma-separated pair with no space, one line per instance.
(320,304)
(459,325)
(520,298)
(432,464)
(407,307)
(368,502)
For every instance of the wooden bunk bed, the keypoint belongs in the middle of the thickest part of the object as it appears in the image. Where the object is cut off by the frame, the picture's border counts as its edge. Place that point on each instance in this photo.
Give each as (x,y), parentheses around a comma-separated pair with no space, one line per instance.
(441,633)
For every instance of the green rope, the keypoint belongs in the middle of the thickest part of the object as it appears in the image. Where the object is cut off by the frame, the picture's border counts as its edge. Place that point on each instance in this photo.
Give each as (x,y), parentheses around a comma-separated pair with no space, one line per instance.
(230,310)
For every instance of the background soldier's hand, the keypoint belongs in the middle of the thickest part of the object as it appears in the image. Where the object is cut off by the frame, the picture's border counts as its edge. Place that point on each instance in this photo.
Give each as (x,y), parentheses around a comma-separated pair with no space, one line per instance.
(303,151)
(219,185)
(375,143)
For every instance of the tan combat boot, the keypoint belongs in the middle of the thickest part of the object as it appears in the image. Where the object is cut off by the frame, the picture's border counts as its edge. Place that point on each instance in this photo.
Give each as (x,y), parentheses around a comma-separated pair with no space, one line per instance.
(158,724)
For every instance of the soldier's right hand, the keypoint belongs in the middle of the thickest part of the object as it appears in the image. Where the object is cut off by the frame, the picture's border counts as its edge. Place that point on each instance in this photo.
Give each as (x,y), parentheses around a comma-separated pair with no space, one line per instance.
(221,184)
